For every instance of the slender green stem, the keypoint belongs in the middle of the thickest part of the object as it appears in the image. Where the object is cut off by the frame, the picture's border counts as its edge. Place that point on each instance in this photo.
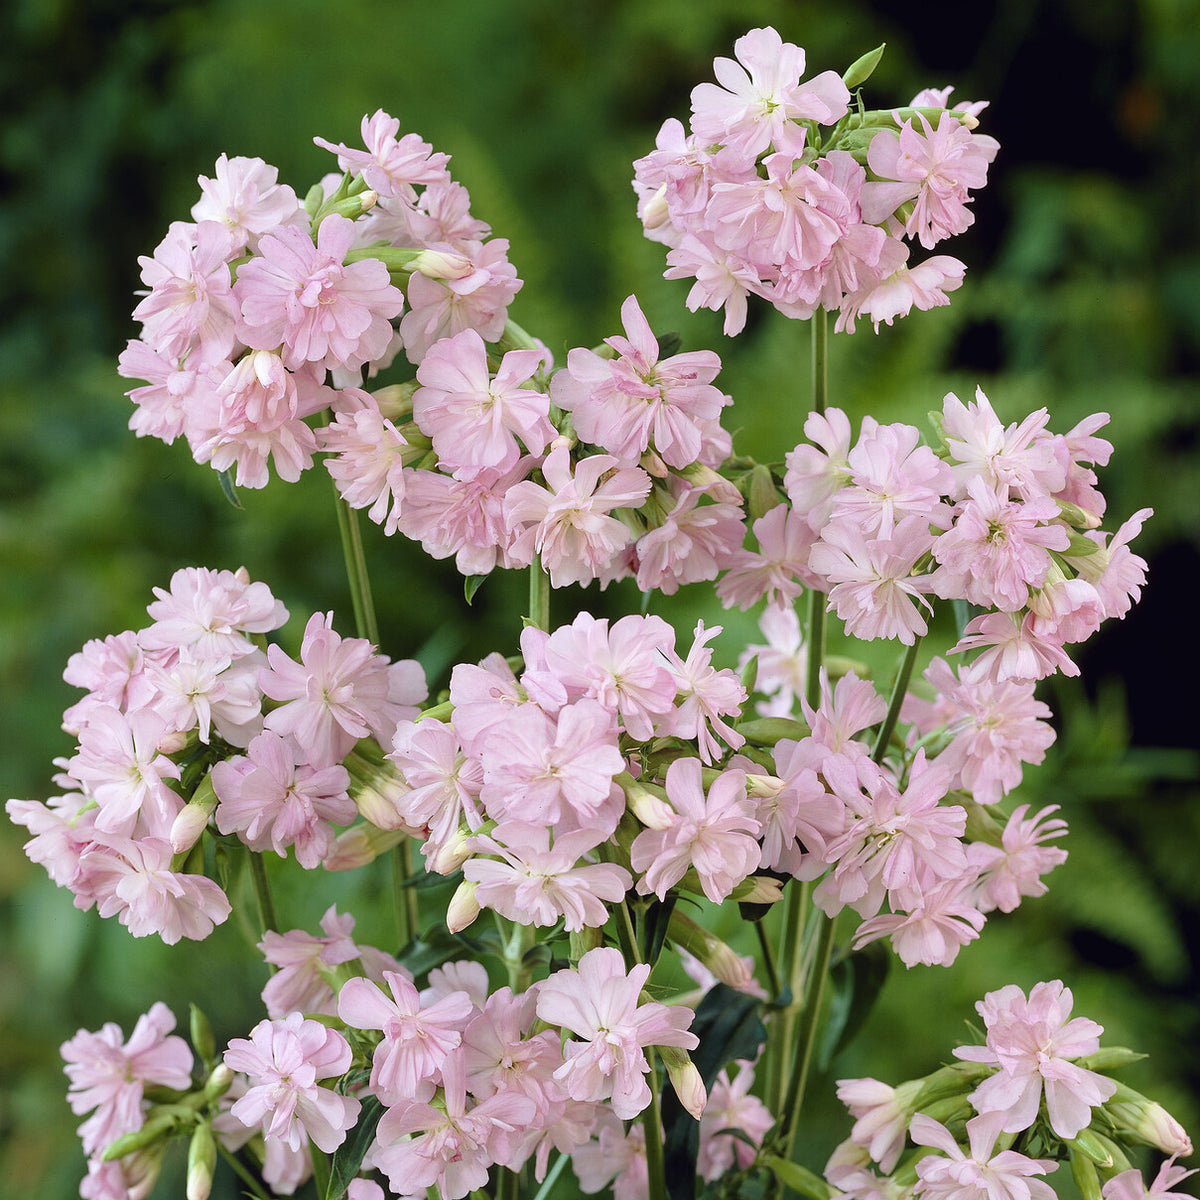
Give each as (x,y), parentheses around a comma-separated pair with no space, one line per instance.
(405,905)
(551,1177)
(365,623)
(539,595)
(626,935)
(652,1124)
(899,691)
(262,891)
(815,645)
(791,976)
(764,944)
(508,1184)
(242,1173)
(814,994)
(320,1165)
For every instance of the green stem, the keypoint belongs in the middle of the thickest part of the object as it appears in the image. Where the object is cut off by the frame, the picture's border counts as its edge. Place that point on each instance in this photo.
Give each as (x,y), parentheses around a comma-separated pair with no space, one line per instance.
(816,599)
(405,905)
(899,691)
(539,595)
(764,944)
(814,994)
(320,1166)
(365,623)
(652,1124)
(626,935)
(242,1173)
(820,360)
(508,1184)
(551,1177)
(262,891)
(791,976)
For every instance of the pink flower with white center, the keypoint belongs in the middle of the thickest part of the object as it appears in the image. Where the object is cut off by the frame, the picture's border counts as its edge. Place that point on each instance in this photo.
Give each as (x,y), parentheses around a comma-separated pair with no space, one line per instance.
(340,691)
(778,569)
(121,767)
(900,843)
(706,694)
(284,1061)
(453,1147)
(1015,867)
(274,800)
(598,1002)
(305,300)
(892,477)
(534,883)
(290,446)
(1012,648)
(935,168)
(714,834)
(567,522)
(200,694)
(981,1174)
(390,166)
(190,307)
(634,402)
(1129,1185)
(248,199)
(935,928)
(109,1074)
(693,543)
(1014,458)
(730,1106)
(298,984)
(367,462)
(1031,1042)
(133,881)
(473,418)
(817,472)
(476,299)
(900,288)
(112,671)
(997,549)
(760,97)
(552,771)
(620,667)
(441,218)
(871,582)
(211,612)
(995,728)
(416,1039)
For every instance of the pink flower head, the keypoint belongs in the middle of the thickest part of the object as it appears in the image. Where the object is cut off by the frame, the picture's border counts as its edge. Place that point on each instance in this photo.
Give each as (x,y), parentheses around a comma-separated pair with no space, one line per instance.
(248,199)
(284,1061)
(706,694)
(1015,867)
(730,1106)
(307,300)
(1129,1185)
(900,288)
(340,691)
(760,97)
(598,1002)
(979,1175)
(390,166)
(714,834)
(366,461)
(109,1075)
(633,402)
(1032,1042)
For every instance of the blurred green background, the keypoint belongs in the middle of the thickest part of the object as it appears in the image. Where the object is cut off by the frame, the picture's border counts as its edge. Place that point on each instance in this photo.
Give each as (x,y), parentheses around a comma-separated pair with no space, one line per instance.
(1083,294)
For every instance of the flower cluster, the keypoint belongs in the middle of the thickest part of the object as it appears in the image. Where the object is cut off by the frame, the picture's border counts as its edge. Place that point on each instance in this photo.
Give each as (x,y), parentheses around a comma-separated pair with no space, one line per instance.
(189,722)
(1039,1085)
(786,190)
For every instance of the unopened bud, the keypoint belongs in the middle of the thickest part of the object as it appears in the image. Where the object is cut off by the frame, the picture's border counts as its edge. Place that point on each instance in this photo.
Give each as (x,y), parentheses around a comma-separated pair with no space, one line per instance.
(202,1159)
(219,1082)
(1083,1171)
(685,1079)
(655,211)
(860,70)
(452,854)
(172,743)
(707,480)
(758,889)
(442,264)
(463,907)
(648,803)
(359,845)
(201,1034)
(395,400)
(1089,1143)
(761,495)
(721,959)
(769,731)
(155,1130)
(192,819)
(1147,1121)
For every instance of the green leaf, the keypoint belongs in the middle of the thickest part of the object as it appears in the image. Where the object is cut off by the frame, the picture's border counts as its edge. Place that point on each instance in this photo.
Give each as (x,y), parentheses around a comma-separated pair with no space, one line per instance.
(799,1179)
(226,481)
(438,945)
(653,926)
(856,982)
(472,584)
(347,1158)
(669,344)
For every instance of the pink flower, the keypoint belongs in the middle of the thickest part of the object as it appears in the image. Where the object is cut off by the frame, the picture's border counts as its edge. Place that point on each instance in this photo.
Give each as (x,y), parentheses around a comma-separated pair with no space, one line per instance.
(305,299)
(706,694)
(730,1106)
(714,834)
(248,199)
(598,1002)
(390,166)
(900,288)
(340,691)
(1129,1185)
(416,1039)
(1015,867)
(980,1175)
(284,1060)
(367,462)
(1031,1041)
(109,1075)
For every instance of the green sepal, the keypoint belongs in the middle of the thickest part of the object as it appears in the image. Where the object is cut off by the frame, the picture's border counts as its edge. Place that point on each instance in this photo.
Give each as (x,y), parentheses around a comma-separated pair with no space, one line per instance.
(799,1179)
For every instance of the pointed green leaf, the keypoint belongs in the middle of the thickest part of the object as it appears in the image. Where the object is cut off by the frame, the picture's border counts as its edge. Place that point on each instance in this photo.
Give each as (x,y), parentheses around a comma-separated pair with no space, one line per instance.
(347,1158)
(226,481)
(472,584)
(800,1179)
(856,983)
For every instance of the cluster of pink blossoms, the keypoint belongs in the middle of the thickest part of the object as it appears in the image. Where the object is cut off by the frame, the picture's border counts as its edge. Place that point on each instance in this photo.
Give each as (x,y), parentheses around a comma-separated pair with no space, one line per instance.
(1039,1083)
(784,190)
(187,723)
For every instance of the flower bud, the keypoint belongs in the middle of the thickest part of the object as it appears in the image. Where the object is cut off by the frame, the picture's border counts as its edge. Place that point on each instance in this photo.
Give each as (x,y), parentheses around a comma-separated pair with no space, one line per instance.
(1087,1178)
(1089,1143)
(761,495)
(1147,1121)
(685,1079)
(655,211)
(648,803)
(172,743)
(219,1082)
(201,1034)
(359,845)
(450,856)
(721,959)
(769,731)
(202,1159)
(441,264)
(861,69)
(758,889)
(193,817)
(463,907)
